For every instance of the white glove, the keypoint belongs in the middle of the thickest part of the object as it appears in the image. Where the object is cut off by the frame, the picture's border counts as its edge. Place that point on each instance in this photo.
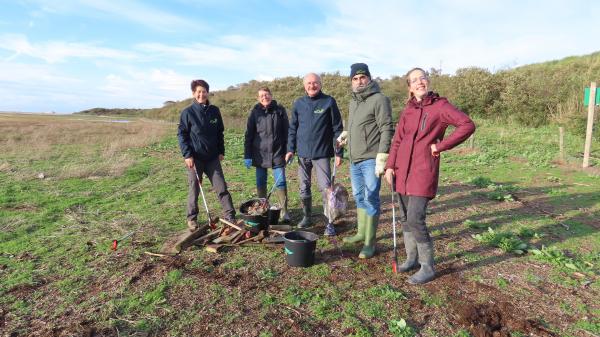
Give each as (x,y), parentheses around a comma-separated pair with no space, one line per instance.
(342,140)
(380,162)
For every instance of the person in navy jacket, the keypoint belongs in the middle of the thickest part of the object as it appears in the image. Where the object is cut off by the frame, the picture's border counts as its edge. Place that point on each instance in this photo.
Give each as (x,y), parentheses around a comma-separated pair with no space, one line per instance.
(202,145)
(315,124)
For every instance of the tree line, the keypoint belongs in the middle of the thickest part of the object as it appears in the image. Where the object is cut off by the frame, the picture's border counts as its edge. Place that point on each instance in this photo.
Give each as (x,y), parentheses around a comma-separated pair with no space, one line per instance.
(532,95)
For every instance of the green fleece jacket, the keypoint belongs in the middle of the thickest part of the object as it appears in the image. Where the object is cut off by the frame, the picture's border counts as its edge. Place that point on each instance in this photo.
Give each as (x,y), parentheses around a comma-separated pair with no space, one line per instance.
(370,128)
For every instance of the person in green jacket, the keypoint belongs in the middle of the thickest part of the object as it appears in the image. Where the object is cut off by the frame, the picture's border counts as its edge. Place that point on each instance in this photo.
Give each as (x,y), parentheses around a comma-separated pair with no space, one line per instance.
(370,131)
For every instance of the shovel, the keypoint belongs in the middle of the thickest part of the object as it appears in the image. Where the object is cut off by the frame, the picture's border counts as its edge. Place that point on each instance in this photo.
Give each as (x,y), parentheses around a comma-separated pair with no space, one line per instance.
(212,222)
(395,262)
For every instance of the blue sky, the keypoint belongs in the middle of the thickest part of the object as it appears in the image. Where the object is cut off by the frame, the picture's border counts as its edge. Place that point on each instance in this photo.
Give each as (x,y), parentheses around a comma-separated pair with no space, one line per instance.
(70,55)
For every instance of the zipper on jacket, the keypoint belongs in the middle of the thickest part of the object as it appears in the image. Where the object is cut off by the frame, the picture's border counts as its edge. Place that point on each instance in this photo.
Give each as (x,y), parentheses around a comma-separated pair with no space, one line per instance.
(423,122)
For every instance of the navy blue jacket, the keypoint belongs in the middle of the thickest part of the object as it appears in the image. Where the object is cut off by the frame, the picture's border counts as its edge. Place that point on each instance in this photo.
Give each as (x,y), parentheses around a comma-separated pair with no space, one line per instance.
(200,132)
(316,123)
(265,140)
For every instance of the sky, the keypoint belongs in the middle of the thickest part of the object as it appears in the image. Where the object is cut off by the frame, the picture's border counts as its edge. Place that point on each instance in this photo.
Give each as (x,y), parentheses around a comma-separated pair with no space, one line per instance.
(70,55)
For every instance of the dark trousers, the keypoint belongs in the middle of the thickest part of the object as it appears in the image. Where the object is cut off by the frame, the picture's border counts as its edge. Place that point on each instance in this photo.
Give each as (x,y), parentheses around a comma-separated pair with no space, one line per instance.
(214,172)
(412,216)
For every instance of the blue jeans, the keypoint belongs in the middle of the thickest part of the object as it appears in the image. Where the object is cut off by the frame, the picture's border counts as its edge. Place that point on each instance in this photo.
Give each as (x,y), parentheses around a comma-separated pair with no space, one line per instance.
(278,175)
(365,186)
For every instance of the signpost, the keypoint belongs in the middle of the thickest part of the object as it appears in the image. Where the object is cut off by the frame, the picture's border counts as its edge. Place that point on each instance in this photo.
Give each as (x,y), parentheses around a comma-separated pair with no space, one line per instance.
(591,100)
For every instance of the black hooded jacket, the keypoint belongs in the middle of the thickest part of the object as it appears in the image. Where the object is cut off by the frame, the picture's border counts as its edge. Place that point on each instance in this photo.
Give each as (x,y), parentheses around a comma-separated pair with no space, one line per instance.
(266,135)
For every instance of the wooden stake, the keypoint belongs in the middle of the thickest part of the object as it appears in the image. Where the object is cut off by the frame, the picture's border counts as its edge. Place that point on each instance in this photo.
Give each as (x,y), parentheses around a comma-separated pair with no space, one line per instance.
(590,125)
(561,143)
(472,141)
(230,224)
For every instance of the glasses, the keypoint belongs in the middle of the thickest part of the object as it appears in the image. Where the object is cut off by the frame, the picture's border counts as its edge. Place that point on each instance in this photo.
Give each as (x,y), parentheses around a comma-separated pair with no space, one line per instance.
(418,79)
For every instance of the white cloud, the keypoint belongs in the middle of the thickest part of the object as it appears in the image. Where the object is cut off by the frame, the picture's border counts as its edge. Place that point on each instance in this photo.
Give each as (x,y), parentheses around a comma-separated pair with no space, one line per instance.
(132,11)
(58,51)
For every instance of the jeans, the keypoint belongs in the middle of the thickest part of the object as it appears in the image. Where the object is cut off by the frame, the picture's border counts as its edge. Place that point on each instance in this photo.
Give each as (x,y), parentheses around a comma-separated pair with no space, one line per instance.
(278,175)
(365,186)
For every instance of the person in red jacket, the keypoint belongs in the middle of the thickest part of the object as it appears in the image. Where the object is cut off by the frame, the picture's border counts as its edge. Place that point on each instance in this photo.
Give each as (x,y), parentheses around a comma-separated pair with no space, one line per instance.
(414,162)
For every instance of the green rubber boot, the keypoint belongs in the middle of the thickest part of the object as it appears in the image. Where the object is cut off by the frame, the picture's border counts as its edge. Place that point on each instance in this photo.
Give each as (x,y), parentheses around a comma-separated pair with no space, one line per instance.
(361,213)
(283,201)
(426,273)
(368,249)
(410,245)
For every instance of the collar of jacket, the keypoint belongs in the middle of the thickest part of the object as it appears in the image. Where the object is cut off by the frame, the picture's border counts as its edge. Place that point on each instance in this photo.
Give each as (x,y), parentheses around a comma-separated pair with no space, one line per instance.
(199,106)
(370,89)
(269,108)
(429,99)
(317,96)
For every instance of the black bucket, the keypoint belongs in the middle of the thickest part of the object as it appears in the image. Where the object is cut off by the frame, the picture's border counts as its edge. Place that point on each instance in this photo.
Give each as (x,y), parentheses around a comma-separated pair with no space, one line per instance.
(254,223)
(299,248)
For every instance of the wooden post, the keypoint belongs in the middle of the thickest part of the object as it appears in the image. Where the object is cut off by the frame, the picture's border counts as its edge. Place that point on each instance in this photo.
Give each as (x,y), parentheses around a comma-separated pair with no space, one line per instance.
(590,125)
(561,143)
(472,141)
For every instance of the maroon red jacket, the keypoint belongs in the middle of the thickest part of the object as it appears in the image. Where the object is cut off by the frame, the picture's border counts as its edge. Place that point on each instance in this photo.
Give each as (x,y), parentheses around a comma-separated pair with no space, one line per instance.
(422,124)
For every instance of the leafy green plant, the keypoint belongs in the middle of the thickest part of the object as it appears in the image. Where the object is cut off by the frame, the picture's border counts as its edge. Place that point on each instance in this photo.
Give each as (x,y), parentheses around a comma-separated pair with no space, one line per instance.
(386,292)
(267,274)
(480,182)
(557,257)
(400,328)
(462,333)
(503,240)
(502,282)
(474,224)
(511,244)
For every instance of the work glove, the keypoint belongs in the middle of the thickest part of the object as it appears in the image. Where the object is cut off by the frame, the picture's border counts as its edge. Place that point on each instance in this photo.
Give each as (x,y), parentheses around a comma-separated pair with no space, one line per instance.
(380,162)
(342,140)
(248,163)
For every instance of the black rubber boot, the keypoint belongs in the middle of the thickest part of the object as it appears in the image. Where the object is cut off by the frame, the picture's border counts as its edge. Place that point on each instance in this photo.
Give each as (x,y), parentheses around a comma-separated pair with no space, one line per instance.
(426,273)
(410,245)
(307,211)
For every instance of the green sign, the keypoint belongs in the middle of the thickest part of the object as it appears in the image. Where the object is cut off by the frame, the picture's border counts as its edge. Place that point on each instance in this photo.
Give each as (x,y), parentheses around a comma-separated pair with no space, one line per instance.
(586,96)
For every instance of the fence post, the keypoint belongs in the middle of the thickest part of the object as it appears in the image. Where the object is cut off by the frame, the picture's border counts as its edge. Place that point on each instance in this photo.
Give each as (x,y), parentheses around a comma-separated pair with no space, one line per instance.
(590,125)
(561,143)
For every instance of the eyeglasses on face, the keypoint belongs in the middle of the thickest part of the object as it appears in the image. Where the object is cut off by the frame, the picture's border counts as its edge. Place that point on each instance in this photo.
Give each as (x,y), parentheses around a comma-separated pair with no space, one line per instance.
(418,79)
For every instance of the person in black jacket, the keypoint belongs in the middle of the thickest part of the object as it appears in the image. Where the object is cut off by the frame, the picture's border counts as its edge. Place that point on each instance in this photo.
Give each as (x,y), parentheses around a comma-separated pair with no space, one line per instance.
(315,123)
(265,145)
(202,145)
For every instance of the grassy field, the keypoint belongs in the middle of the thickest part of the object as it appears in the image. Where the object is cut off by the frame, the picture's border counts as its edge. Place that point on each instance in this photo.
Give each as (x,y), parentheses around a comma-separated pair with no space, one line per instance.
(516,236)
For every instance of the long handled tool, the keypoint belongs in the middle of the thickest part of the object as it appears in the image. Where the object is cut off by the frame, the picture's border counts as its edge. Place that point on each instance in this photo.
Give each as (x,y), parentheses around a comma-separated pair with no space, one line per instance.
(395,262)
(212,222)
(264,203)
(115,243)
(273,187)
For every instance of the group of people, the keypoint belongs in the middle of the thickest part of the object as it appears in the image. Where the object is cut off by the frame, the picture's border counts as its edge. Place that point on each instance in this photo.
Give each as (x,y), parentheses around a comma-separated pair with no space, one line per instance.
(407,155)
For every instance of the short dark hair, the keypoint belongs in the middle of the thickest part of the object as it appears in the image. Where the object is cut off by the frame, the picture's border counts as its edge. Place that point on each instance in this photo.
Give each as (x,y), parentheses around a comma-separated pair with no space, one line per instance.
(201,83)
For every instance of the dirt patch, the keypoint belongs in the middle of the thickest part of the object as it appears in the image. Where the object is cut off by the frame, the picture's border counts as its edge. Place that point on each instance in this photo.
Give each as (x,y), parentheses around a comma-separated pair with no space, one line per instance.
(487,320)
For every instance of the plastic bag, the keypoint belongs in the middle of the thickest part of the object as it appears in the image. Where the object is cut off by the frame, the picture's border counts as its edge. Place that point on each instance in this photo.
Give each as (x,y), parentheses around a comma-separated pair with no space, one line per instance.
(337,201)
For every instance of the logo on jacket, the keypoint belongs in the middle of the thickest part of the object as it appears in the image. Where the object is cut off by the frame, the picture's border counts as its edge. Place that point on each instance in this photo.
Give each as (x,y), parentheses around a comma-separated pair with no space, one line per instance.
(213,121)
(319,111)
